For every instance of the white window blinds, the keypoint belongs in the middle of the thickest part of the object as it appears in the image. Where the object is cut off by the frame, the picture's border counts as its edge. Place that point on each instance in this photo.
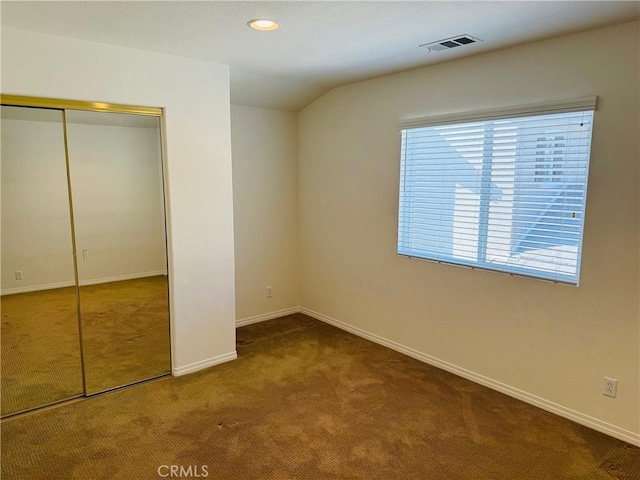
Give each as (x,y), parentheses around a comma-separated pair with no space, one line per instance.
(503,193)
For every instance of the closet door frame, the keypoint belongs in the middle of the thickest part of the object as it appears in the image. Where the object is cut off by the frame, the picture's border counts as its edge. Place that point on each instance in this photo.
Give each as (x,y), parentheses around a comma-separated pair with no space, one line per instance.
(64,105)
(59,104)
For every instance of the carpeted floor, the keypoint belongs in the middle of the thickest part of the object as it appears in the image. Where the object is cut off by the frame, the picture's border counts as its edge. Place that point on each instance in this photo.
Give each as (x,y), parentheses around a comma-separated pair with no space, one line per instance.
(40,349)
(125,335)
(305,400)
(125,330)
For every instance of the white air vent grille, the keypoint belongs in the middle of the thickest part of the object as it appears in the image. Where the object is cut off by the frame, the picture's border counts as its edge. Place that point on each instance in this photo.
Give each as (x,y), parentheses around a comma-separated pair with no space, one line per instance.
(449,43)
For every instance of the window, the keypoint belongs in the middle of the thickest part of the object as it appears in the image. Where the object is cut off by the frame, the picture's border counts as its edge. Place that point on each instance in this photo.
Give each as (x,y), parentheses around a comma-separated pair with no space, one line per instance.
(502,190)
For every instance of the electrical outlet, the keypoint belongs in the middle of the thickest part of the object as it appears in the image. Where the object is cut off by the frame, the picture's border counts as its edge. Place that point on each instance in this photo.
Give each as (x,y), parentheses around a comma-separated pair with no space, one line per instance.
(269,294)
(610,387)
(85,255)
(18,274)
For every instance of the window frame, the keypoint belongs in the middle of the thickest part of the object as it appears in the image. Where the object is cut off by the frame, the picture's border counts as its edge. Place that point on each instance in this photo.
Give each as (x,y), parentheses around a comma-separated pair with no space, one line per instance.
(513,112)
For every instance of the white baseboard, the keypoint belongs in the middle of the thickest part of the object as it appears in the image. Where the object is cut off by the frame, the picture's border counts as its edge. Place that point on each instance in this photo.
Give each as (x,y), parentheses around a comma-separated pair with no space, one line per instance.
(120,278)
(36,288)
(267,316)
(201,365)
(95,281)
(586,420)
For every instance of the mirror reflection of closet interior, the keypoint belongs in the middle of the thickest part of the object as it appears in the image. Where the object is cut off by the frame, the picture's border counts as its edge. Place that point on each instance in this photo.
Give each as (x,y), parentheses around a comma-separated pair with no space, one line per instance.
(84,324)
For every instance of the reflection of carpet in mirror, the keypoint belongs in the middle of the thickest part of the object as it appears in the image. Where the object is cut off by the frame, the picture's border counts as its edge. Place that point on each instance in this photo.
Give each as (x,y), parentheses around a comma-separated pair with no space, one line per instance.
(125,330)
(125,333)
(40,349)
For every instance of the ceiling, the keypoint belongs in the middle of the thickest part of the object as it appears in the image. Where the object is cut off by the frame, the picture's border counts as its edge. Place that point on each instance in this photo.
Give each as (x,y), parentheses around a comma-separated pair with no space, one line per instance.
(319,44)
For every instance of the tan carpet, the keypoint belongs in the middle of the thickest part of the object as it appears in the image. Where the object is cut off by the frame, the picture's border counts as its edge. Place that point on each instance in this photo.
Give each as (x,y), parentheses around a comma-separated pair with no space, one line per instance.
(40,349)
(125,334)
(125,330)
(305,400)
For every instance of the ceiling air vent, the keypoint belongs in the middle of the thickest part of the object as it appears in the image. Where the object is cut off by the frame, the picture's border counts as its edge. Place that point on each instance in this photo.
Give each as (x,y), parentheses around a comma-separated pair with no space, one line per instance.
(449,43)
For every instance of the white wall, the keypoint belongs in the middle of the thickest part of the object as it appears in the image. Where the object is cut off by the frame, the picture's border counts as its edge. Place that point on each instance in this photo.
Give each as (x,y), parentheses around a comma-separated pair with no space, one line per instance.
(265,202)
(550,344)
(117,198)
(117,201)
(36,225)
(195,96)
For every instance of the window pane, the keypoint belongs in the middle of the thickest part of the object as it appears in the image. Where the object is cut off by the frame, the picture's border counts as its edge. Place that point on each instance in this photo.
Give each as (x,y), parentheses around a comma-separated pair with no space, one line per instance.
(503,194)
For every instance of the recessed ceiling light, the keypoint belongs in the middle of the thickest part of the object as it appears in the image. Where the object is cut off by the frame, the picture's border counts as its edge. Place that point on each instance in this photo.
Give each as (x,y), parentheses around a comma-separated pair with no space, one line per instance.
(263,24)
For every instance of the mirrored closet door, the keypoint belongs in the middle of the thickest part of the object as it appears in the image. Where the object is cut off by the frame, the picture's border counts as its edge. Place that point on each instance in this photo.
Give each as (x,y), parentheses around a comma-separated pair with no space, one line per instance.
(76,180)
(118,207)
(41,361)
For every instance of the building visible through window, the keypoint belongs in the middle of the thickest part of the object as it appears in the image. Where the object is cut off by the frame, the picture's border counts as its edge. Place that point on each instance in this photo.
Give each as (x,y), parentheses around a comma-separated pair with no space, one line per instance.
(506,194)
